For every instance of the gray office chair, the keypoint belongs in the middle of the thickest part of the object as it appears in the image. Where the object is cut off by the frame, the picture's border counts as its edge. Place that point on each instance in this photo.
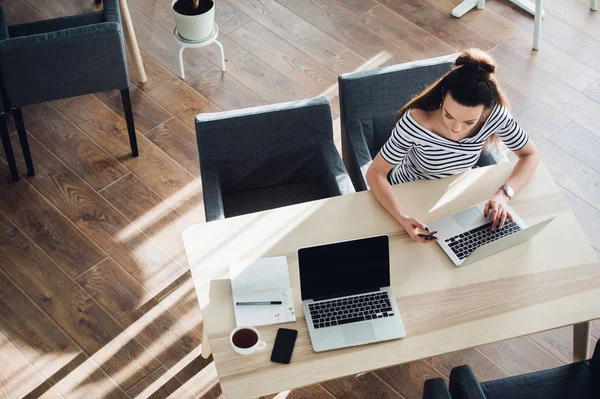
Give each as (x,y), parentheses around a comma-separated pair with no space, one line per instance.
(369,101)
(64,57)
(8,151)
(265,157)
(579,380)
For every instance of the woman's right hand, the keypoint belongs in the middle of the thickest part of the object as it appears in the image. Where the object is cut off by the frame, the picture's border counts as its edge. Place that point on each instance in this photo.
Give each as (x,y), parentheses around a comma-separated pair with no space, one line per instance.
(413,227)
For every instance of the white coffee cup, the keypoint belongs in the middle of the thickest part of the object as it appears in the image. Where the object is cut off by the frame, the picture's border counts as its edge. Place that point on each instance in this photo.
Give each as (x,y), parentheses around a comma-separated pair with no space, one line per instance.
(258,345)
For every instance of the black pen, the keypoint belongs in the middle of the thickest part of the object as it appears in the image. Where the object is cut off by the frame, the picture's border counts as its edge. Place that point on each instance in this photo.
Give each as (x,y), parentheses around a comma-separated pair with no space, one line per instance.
(259,303)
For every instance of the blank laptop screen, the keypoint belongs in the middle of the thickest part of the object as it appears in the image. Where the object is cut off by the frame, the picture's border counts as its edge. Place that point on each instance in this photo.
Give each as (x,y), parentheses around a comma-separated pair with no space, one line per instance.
(344,268)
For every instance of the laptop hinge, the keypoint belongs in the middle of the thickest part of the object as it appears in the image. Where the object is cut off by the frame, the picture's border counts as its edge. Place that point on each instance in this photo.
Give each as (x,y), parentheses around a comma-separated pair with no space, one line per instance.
(322,298)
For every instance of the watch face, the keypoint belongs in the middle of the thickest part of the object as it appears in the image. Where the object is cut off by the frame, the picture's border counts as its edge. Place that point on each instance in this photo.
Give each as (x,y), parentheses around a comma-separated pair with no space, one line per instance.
(509,191)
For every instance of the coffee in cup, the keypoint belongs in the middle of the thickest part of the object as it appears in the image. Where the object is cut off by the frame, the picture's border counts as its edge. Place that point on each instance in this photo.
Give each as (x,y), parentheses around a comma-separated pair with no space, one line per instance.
(246,340)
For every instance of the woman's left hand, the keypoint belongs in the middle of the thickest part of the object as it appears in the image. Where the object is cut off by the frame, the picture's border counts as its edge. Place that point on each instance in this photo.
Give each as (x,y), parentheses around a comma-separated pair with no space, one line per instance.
(497,210)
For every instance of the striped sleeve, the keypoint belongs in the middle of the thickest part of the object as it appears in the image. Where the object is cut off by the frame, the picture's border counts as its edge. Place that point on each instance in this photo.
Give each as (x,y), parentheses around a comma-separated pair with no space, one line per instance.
(395,149)
(509,131)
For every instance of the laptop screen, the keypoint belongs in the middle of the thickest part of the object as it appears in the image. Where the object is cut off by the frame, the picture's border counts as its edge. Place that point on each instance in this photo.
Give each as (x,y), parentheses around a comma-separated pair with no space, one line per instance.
(344,268)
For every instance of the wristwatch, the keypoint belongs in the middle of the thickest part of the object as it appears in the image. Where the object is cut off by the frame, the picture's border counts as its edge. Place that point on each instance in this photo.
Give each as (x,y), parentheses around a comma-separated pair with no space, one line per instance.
(508,190)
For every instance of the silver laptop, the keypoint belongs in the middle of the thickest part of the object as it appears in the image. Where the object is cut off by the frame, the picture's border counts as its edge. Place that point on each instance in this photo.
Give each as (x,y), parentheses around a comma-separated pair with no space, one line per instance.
(346,293)
(467,236)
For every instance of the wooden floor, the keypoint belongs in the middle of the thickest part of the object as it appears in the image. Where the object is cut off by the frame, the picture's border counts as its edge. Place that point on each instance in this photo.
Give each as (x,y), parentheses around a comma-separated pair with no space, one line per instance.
(96,298)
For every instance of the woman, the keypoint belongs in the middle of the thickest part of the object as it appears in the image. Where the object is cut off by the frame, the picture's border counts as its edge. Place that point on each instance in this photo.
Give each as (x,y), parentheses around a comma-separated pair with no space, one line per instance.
(444,130)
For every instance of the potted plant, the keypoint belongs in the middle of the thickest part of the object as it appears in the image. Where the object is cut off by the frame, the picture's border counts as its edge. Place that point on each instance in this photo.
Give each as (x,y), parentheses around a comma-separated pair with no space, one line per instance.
(194,18)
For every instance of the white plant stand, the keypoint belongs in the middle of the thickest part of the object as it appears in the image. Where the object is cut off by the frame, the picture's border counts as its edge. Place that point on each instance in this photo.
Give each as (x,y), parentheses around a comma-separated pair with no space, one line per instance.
(183,43)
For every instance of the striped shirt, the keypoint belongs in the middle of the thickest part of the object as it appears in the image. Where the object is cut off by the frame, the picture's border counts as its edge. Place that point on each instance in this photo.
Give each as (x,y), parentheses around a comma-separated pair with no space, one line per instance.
(418,153)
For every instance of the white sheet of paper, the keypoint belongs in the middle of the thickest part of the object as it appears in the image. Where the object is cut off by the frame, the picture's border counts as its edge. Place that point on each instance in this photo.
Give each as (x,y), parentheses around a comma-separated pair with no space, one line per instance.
(258,280)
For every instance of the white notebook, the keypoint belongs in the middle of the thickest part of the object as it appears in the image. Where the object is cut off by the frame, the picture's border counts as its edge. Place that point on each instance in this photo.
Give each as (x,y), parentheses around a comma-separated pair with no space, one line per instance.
(258,280)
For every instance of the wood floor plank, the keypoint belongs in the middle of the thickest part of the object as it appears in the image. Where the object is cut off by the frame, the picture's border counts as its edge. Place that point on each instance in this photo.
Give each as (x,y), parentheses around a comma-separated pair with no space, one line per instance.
(17,376)
(355,8)
(408,379)
(315,391)
(258,75)
(173,94)
(71,308)
(508,354)
(571,173)
(580,143)
(405,34)
(229,18)
(160,44)
(60,361)
(56,9)
(225,91)
(348,61)
(160,172)
(285,58)
(82,155)
(160,12)
(533,114)
(295,30)
(519,41)
(20,12)
(143,259)
(32,332)
(326,16)
(587,216)
(147,114)
(159,384)
(48,228)
(440,24)
(49,349)
(547,88)
(593,91)
(367,385)
(179,142)
(560,34)
(180,298)
(165,336)
(204,384)
(87,380)
(558,342)
(576,15)
(146,209)
(483,368)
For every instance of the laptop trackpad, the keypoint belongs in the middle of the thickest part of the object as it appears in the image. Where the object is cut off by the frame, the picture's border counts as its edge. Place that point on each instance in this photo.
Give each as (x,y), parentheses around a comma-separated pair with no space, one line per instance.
(358,334)
(470,218)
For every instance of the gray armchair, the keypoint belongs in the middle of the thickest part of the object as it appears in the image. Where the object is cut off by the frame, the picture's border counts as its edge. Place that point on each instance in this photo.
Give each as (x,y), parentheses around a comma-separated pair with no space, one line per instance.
(369,101)
(8,151)
(265,157)
(579,380)
(64,57)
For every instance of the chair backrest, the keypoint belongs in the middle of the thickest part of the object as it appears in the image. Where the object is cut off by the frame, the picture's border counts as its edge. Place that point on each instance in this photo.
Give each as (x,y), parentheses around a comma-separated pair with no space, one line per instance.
(63,57)
(373,97)
(276,136)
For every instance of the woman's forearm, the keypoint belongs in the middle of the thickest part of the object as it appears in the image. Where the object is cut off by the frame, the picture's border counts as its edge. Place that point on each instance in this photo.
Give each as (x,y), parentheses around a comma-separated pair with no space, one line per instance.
(384,194)
(524,169)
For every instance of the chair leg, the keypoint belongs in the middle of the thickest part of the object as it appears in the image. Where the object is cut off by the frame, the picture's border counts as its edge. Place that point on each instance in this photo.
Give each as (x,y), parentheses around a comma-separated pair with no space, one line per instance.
(10,156)
(129,119)
(23,139)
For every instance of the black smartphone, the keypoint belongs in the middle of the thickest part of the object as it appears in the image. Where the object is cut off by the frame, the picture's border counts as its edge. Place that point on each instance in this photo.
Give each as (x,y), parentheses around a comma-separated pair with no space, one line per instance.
(284,345)
(429,236)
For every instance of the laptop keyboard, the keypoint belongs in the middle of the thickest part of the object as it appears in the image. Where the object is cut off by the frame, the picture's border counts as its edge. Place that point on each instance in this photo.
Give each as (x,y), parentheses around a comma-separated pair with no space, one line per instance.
(464,244)
(350,310)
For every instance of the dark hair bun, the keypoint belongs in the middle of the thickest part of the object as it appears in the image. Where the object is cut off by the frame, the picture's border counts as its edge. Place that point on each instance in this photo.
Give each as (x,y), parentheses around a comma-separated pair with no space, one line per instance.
(477,60)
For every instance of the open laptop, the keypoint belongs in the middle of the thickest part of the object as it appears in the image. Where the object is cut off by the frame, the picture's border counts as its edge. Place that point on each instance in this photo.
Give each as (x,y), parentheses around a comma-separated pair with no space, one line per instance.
(346,295)
(467,236)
